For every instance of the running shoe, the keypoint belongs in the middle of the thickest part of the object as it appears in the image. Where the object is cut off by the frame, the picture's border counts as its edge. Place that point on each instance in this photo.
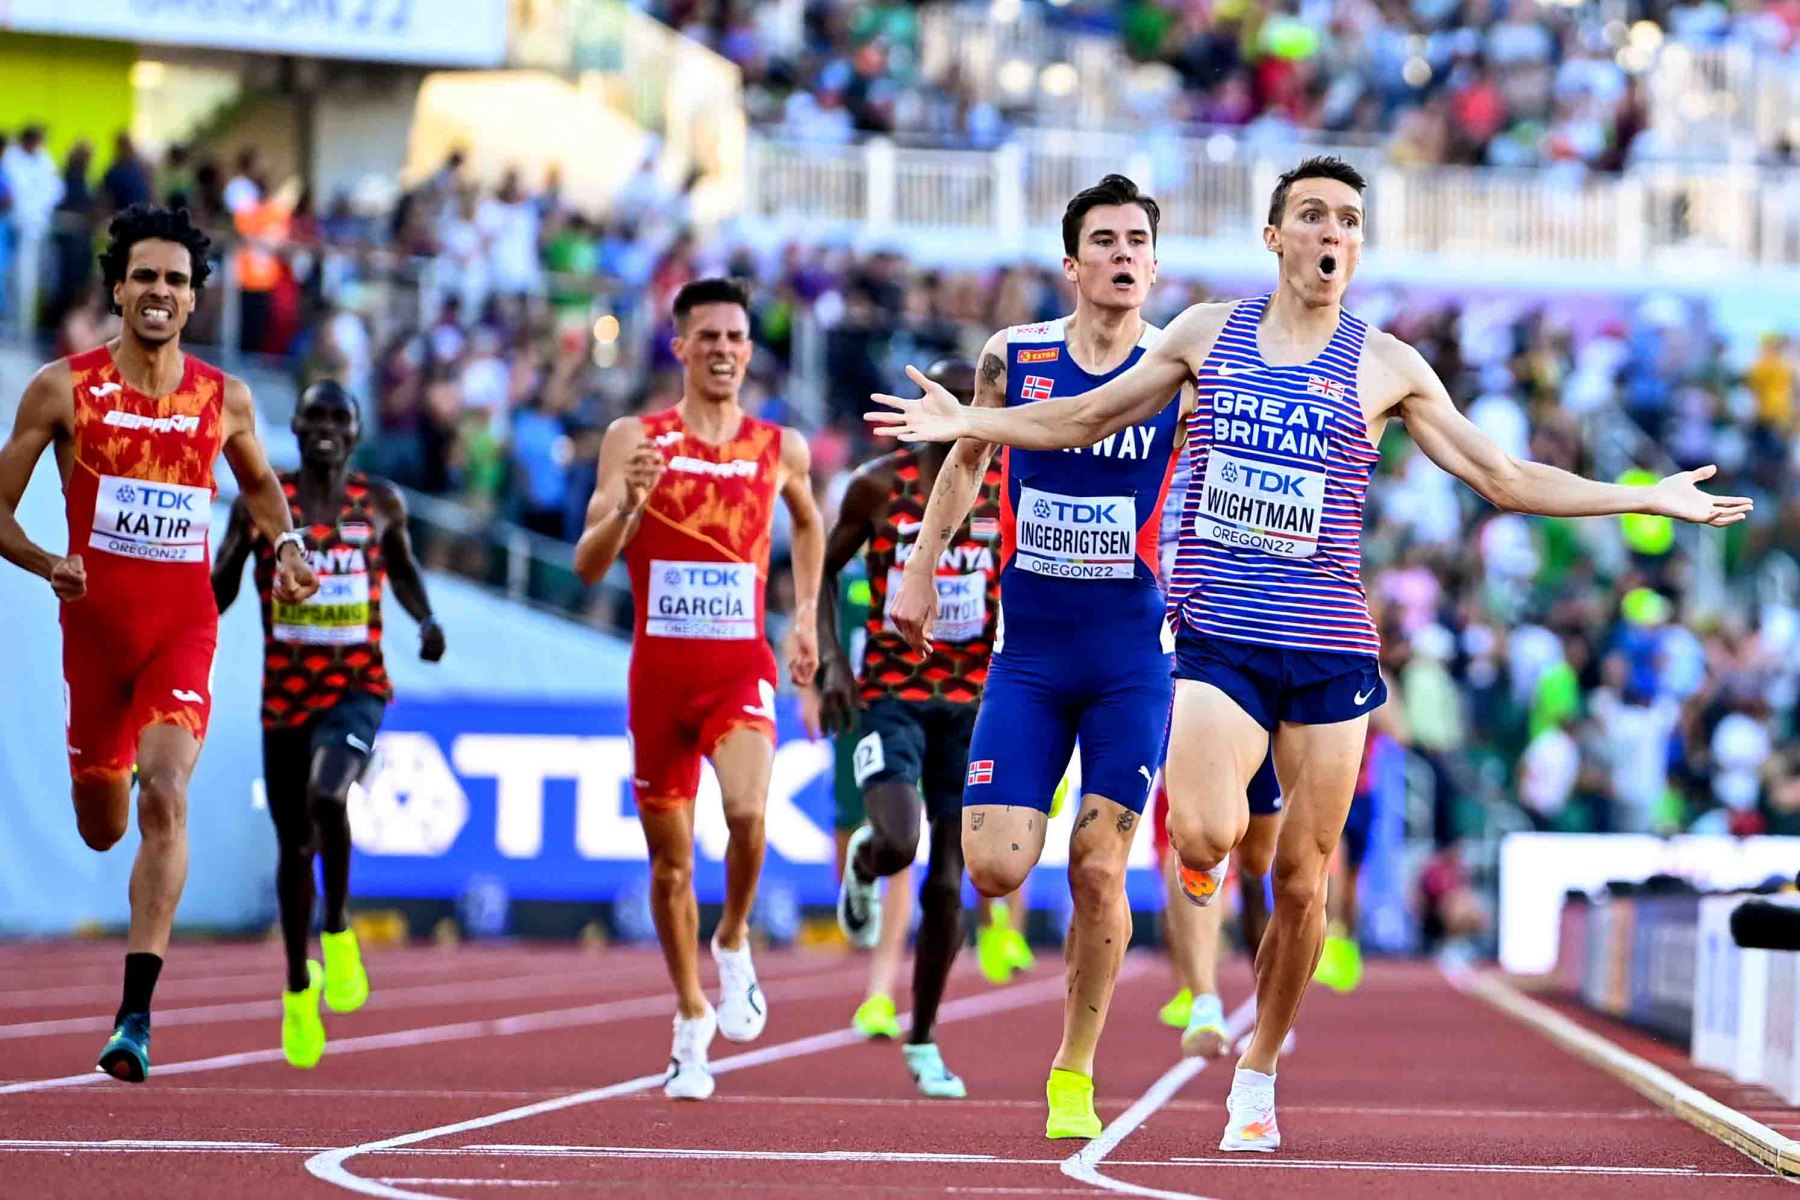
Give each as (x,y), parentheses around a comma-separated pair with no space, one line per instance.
(1071,1098)
(689,1078)
(1205,1035)
(930,1073)
(1201,886)
(742,1010)
(346,983)
(1018,951)
(1340,962)
(993,948)
(859,899)
(1250,1116)
(875,1018)
(1174,1014)
(302,1032)
(1059,797)
(127,1052)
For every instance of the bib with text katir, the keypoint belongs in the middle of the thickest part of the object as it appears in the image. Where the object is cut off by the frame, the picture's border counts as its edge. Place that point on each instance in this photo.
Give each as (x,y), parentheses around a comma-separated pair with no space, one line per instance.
(714,600)
(1076,537)
(158,522)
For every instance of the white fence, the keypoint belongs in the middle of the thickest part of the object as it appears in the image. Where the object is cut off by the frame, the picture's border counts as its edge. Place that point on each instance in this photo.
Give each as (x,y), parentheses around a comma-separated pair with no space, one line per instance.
(1728,102)
(1697,220)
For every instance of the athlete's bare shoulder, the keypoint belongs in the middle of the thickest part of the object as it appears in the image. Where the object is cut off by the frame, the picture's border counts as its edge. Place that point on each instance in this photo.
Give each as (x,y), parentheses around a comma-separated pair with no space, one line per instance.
(1190,336)
(240,406)
(49,399)
(796,452)
(1391,370)
(990,371)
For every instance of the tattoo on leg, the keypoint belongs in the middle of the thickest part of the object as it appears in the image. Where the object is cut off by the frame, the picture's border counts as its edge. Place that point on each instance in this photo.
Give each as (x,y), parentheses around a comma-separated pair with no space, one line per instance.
(977,820)
(1126,821)
(1087,818)
(1015,845)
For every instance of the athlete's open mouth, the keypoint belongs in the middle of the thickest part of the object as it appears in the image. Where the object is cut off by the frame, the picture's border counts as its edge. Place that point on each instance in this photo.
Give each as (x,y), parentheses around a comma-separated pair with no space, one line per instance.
(1124,278)
(721,370)
(155,313)
(1328,266)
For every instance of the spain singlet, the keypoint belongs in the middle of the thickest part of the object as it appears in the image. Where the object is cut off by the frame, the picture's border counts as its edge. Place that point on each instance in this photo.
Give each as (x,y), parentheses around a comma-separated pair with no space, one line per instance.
(1271,545)
(968,593)
(700,559)
(1079,527)
(329,645)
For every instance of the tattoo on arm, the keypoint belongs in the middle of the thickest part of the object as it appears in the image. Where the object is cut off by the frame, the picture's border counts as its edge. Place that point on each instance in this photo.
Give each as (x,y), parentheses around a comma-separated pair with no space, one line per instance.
(1126,821)
(992,370)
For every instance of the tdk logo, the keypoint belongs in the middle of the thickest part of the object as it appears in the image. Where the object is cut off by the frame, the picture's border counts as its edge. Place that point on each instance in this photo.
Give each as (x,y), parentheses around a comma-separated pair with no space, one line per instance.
(156,499)
(1074,511)
(1272,482)
(699,575)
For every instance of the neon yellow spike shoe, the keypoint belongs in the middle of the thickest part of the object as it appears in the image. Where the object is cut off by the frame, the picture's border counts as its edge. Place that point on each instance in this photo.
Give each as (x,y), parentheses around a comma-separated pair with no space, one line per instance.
(346,983)
(875,1017)
(1071,1099)
(991,949)
(302,1032)
(1175,1013)
(1058,798)
(1018,951)
(1340,963)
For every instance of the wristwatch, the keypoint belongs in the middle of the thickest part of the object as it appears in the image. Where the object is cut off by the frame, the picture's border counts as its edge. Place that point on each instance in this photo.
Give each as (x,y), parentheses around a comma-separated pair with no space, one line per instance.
(292,537)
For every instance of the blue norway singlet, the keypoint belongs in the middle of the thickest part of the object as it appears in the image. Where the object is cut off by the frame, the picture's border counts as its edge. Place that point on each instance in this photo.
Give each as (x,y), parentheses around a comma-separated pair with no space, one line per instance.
(1079,527)
(1270,550)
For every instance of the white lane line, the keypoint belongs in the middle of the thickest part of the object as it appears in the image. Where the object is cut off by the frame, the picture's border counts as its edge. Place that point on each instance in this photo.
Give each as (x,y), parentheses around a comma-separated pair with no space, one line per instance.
(1085,1165)
(330,1166)
(443,994)
(1320,1164)
(439,1181)
(805,985)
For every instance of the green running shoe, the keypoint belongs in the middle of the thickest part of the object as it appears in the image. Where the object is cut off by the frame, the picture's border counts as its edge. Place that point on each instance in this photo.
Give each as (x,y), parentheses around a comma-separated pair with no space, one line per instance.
(1340,964)
(1018,951)
(302,1032)
(875,1018)
(991,950)
(127,1052)
(346,983)
(1174,1014)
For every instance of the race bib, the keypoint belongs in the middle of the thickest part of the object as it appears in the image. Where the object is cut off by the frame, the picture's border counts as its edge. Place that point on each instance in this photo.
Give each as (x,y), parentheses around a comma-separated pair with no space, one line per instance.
(715,600)
(961,605)
(1077,537)
(335,615)
(1255,506)
(157,522)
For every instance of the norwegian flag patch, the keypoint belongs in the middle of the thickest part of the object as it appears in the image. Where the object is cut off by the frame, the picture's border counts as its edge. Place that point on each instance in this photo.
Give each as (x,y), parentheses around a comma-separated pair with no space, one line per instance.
(1036,387)
(1331,389)
(981,771)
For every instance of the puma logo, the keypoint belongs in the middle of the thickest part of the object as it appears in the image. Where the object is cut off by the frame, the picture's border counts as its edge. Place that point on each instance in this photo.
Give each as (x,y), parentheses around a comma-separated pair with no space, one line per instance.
(1145,772)
(187,697)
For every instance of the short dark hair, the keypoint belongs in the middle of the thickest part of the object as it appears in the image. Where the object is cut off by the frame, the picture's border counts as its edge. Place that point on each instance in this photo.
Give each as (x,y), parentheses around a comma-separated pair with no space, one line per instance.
(1114,189)
(718,290)
(146,223)
(955,373)
(1319,166)
(327,390)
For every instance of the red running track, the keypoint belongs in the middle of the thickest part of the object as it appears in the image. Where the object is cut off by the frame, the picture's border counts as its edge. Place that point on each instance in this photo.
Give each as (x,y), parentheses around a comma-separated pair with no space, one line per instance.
(526,1071)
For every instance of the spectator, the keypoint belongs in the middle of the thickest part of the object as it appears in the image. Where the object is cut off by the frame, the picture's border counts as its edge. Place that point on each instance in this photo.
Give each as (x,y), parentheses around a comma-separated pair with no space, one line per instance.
(36,188)
(127,178)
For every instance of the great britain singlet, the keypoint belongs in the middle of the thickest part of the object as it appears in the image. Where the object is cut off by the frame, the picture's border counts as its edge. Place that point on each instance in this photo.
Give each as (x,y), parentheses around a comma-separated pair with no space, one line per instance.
(328,645)
(1079,527)
(1270,550)
(968,593)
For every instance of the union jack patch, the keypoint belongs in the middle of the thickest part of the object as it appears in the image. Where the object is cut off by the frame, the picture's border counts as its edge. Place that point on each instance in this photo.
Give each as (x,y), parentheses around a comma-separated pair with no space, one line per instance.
(1331,389)
(981,771)
(1036,387)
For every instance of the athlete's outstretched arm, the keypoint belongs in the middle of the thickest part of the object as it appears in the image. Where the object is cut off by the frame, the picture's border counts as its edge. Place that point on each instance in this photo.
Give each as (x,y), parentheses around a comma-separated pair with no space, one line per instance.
(866,496)
(403,568)
(808,554)
(629,469)
(234,551)
(261,495)
(952,496)
(1070,421)
(46,414)
(1458,445)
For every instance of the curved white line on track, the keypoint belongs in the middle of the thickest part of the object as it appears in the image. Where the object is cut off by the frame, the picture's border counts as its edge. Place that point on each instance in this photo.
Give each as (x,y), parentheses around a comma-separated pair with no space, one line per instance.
(1085,1165)
(330,1165)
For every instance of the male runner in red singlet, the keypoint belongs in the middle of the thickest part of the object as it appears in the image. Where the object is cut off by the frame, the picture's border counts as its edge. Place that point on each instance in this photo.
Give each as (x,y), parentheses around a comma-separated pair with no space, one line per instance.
(325,690)
(137,425)
(688,496)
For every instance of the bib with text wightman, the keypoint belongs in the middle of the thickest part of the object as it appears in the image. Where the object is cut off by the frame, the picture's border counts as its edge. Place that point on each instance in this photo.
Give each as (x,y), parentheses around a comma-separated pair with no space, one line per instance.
(156,522)
(1076,537)
(961,605)
(1256,506)
(335,615)
(714,600)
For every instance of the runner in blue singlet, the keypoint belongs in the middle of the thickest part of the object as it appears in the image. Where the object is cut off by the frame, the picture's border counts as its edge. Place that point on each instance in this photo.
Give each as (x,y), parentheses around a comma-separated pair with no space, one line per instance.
(1274,640)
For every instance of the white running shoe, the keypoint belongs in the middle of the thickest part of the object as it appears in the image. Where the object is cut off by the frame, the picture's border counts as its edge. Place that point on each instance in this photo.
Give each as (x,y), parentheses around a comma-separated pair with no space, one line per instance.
(689,1078)
(1205,1034)
(859,899)
(742,1010)
(1250,1117)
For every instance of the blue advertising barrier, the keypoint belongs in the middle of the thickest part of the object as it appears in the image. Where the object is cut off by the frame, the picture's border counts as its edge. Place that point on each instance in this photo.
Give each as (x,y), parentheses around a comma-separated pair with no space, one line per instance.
(535,799)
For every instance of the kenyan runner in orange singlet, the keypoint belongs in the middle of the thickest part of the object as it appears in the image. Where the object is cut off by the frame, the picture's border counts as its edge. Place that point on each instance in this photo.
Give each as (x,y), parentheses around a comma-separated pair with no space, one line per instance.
(687,495)
(137,425)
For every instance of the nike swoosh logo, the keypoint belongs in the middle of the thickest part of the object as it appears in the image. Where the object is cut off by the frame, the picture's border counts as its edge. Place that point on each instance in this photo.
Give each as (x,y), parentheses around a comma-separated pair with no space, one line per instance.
(357,742)
(1363,697)
(1229,372)
(187,697)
